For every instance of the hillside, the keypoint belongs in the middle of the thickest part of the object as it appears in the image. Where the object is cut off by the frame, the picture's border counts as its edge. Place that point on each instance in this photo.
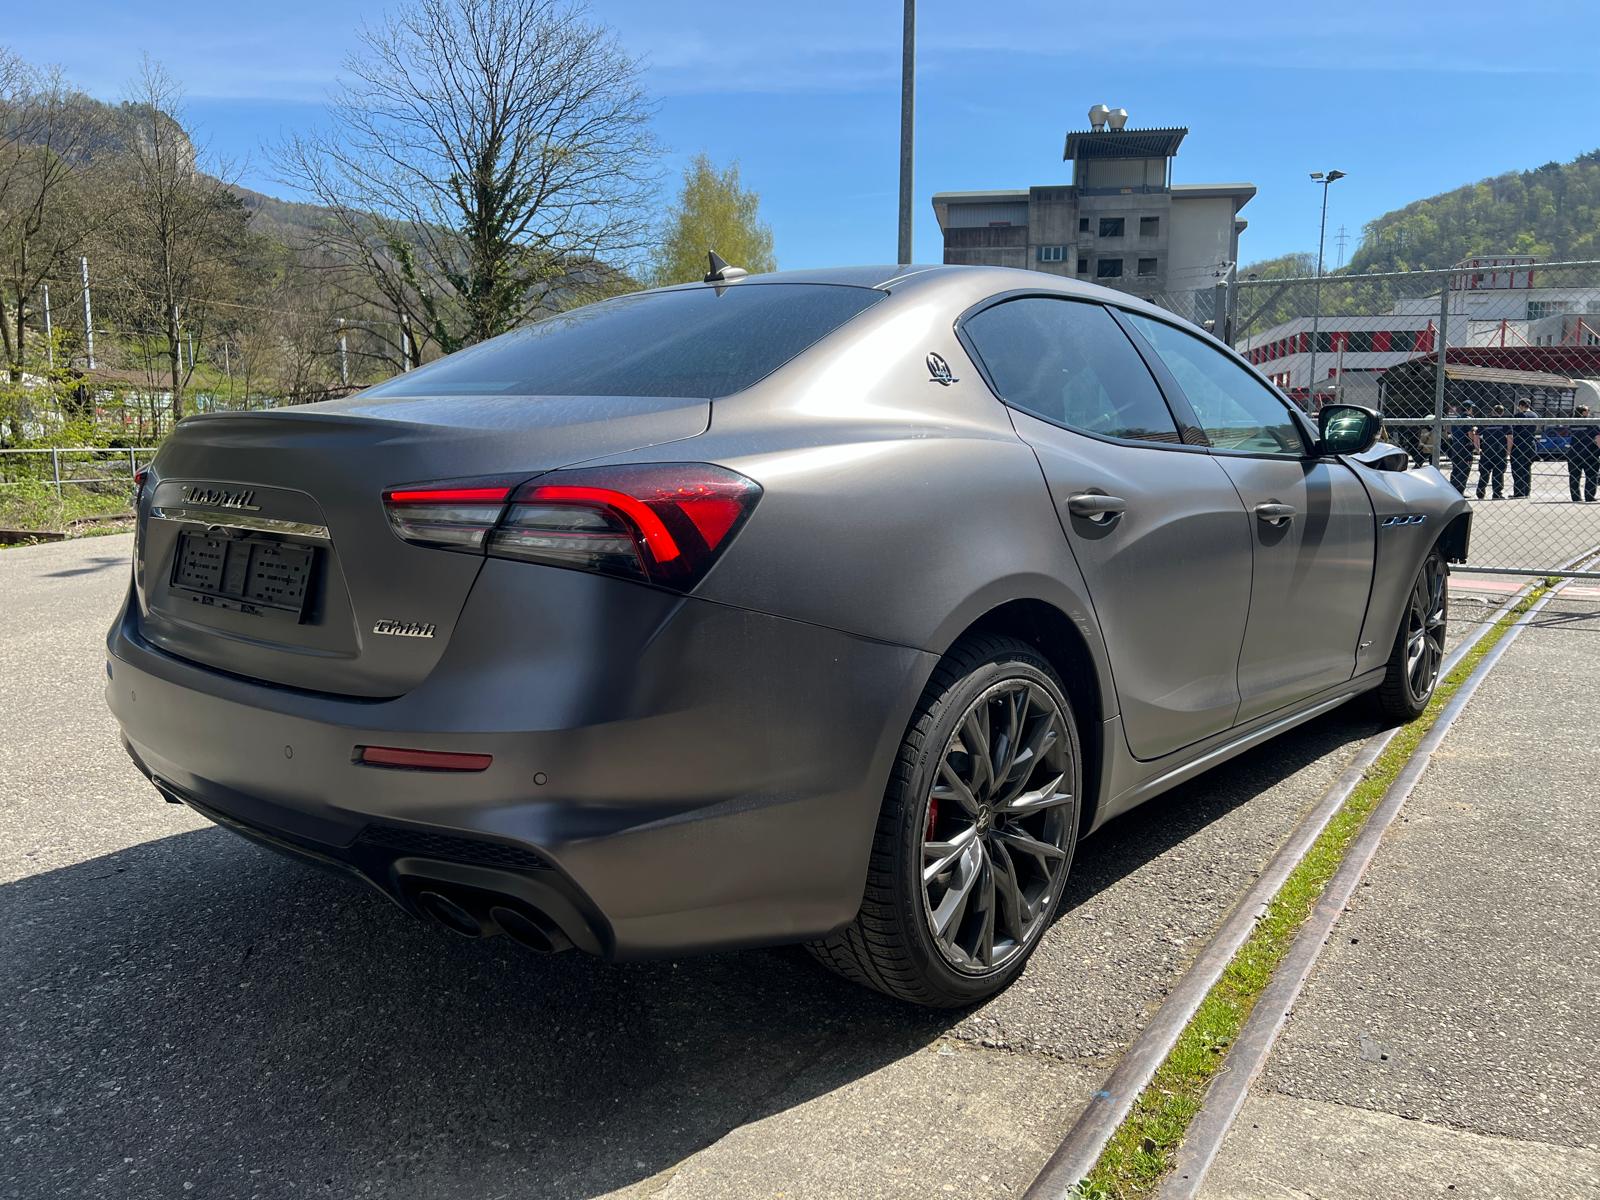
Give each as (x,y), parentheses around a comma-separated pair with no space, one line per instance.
(1552,211)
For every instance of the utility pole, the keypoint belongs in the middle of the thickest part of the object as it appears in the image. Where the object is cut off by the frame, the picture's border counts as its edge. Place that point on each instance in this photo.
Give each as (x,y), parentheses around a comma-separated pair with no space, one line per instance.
(88,316)
(908,94)
(405,342)
(1324,178)
(344,358)
(1341,238)
(49,339)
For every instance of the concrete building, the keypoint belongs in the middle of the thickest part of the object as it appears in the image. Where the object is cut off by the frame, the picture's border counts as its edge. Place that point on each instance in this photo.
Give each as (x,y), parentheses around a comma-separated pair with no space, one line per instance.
(1121,221)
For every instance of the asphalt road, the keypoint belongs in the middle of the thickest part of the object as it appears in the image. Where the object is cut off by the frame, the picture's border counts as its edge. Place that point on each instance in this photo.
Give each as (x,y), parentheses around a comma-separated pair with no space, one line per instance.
(1541,530)
(187,1012)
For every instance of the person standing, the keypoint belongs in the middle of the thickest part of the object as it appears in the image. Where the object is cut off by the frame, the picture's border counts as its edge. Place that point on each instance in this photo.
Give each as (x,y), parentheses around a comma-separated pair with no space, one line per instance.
(1461,444)
(1494,445)
(1524,439)
(1583,459)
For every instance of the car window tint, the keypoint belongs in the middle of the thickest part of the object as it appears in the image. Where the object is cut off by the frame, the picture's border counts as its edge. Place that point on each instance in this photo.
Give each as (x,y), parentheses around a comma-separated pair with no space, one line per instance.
(695,342)
(1070,363)
(1236,410)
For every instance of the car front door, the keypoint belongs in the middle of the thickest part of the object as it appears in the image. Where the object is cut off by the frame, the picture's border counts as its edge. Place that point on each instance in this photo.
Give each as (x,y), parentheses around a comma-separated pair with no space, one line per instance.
(1311,523)
(1155,525)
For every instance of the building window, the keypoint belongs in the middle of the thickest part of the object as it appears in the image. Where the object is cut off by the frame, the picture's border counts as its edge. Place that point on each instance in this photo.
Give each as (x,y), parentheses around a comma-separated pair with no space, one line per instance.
(1111,227)
(1539,309)
(1359,341)
(1083,224)
(1149,226)
(1108,268)
(1052,254)
(1083,264)
(1402,341)
(1147,266)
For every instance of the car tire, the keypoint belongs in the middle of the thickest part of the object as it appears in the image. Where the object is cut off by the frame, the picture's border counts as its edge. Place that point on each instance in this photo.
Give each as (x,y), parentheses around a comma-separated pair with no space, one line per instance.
(1412,671)
(1014,822)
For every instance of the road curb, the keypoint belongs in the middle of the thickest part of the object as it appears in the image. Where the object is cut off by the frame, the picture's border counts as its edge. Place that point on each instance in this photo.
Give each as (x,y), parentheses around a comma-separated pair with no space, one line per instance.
(1078,1151)
(1248,1056)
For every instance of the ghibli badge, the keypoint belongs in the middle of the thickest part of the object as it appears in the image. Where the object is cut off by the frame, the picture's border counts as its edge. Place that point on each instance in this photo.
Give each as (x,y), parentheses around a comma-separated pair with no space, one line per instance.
(414,629)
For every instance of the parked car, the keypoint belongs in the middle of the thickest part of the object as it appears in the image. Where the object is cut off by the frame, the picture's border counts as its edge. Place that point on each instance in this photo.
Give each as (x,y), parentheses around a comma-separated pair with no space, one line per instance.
(830,607)
(1552,443)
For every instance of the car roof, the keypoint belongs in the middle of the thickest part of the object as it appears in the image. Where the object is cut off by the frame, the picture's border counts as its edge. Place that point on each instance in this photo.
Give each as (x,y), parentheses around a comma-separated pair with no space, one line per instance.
(975,281)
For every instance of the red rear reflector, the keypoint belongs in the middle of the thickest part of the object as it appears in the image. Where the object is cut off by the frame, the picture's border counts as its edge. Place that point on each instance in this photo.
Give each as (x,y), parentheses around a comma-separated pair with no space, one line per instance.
(421,760)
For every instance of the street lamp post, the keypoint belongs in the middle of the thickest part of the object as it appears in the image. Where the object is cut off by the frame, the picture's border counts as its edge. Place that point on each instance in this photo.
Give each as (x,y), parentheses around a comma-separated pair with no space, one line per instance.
(1324,178)
(908,93)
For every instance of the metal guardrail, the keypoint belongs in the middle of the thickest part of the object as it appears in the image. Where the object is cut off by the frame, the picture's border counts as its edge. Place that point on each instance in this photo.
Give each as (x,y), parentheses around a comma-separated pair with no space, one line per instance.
(66,456)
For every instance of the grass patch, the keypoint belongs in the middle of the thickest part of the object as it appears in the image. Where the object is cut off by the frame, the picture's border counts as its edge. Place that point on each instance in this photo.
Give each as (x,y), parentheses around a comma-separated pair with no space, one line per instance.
(1139,1154)
(34,504)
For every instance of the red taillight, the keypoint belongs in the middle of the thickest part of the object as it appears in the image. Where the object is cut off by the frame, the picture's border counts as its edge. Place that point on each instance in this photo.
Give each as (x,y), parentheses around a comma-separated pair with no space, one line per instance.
(662,523)
(421,760)
(451,516)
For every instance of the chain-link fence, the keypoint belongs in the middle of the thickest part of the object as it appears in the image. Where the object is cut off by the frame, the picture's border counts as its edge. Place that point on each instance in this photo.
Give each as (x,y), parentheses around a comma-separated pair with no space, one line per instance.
(1489,371)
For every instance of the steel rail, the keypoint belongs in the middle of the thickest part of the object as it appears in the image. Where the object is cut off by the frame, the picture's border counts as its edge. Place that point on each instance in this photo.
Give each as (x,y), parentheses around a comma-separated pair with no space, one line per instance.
(1083,1143)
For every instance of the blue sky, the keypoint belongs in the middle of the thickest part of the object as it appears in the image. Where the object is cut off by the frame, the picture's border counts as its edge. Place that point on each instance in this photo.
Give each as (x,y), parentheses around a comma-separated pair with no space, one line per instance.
(1408,98)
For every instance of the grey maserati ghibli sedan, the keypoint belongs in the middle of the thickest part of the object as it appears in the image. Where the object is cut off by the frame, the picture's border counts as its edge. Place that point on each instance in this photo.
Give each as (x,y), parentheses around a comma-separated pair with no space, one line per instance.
(832,607)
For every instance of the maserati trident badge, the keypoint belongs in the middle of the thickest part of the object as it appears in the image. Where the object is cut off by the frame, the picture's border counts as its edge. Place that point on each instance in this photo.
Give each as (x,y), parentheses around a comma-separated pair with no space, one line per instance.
(939,371)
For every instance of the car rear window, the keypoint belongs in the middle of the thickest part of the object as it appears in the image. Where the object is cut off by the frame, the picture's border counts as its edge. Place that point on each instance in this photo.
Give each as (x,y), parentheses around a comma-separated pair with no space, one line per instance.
(696,342)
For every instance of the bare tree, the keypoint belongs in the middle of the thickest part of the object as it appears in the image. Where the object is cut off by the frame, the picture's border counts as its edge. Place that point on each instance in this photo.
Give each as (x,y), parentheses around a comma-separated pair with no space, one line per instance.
(45,130)
(484,153)
(181,236)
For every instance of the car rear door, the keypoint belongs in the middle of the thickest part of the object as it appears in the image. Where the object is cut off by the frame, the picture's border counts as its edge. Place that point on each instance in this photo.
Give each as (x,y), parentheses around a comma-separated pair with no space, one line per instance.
(1311,522)
(1155,525)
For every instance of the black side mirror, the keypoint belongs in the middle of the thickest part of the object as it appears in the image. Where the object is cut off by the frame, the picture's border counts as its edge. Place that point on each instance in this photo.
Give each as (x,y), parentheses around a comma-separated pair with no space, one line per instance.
(1347,428)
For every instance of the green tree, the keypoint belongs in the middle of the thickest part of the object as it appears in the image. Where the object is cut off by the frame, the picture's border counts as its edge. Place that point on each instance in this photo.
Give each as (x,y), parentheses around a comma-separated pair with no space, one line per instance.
(484,157)
(180,238)
(713,213)
(1552,211)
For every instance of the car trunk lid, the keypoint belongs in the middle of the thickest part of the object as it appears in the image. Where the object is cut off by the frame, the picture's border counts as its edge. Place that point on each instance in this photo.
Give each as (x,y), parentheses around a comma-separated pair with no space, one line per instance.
(264,549)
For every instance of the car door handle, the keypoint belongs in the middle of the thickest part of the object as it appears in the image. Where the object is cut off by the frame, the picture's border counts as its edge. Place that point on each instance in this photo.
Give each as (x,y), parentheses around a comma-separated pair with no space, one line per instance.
(1096,506)
(1275,514)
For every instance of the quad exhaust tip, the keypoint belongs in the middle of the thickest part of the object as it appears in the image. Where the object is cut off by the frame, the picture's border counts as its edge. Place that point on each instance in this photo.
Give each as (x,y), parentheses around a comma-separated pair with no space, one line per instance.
(468,916)
(453,916)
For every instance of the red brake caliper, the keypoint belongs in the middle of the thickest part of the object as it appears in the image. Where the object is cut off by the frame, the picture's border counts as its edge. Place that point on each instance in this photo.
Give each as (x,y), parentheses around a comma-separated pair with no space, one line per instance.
(933,816)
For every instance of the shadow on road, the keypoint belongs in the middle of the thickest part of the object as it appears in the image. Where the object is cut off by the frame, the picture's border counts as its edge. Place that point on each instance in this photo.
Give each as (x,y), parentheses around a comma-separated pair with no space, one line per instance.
(98,563)
(195,1010)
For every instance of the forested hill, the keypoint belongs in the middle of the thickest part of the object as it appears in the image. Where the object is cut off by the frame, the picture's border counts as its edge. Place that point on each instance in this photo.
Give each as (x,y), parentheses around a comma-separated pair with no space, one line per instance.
(1552,211)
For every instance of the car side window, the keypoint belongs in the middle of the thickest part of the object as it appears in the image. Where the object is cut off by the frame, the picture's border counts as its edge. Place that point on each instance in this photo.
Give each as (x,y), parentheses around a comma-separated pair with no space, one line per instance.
(1236,410)
(1070,363)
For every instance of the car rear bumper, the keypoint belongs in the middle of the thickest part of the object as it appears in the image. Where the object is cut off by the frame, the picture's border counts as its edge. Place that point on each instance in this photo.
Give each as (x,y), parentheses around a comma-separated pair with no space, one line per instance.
(682,776)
